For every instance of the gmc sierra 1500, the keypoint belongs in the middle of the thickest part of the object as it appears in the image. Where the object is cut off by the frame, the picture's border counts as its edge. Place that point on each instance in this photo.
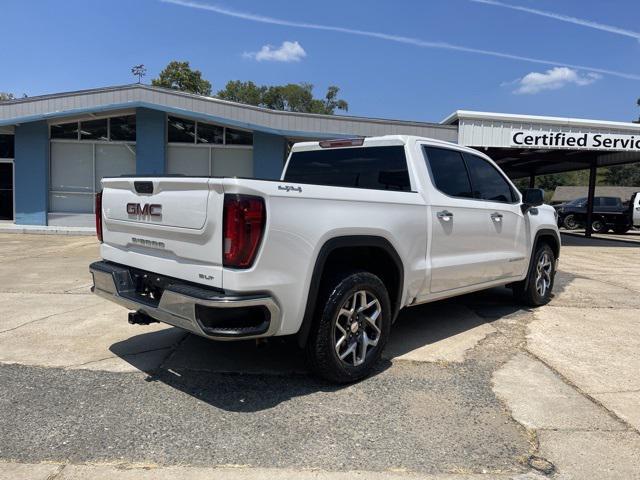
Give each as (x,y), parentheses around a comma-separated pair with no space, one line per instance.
(353,232)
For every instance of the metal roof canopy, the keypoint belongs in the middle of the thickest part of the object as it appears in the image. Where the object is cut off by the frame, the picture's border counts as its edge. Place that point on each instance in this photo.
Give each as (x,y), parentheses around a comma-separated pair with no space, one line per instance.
(527,145)
(60,106)
(493,134)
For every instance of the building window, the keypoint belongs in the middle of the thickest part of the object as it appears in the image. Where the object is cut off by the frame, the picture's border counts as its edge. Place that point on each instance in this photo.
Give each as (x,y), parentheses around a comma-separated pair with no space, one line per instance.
(238,137)
(67,131)
(123,129)
(115,129)
(210,134)
(7,146)
(94,130)
(182,130)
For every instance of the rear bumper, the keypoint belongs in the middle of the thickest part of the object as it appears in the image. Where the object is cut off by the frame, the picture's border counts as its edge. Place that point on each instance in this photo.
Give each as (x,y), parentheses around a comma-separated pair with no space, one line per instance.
(206,312)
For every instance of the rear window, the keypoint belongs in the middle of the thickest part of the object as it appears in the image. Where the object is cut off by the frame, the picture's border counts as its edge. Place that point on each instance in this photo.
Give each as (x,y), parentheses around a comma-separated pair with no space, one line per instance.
(377,168)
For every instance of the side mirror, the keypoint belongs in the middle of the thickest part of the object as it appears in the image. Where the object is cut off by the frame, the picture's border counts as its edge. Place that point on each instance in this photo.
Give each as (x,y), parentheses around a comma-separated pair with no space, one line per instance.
(532,197)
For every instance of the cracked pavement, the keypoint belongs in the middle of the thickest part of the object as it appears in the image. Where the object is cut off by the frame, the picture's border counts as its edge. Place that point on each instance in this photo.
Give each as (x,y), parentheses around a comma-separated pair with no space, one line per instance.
(474,387)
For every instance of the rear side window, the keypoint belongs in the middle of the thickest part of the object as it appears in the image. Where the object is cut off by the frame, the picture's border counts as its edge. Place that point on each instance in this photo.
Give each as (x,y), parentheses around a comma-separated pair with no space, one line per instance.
(378,168)
(609,202)
(488,183)
(449,172)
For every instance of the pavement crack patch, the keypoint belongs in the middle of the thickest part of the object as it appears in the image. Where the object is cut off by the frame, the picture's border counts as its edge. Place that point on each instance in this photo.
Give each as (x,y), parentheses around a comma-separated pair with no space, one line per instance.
(56,474)
(79,365)
(173,349)
(42,318)
(593,400)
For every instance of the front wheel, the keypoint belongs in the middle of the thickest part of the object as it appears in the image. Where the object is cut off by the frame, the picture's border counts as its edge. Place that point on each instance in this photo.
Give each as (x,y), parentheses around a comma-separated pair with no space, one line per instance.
(570,222)
(535,290)
(351,327)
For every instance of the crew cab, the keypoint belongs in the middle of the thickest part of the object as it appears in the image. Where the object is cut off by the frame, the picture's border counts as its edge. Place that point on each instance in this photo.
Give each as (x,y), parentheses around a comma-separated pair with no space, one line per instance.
(355,231)
(609,213)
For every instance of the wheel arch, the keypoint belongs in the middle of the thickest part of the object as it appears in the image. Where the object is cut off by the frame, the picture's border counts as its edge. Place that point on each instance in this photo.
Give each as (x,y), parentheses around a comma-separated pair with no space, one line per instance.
(336,249)
(544,235)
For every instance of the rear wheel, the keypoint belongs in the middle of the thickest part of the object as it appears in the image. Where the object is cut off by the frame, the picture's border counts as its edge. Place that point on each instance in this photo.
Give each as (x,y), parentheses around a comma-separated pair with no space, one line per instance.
(535,290)
(598,225)
(351,327)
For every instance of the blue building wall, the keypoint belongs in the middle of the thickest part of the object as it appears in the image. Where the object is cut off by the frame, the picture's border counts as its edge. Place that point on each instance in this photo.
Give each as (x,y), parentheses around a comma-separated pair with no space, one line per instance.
(151,147)
(268,155)
(31,166)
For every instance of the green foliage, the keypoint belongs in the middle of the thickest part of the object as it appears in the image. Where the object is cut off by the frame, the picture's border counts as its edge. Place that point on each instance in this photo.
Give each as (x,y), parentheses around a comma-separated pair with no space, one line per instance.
(180,76)
(623,175)
(4,96)
(618,176)
(292,97)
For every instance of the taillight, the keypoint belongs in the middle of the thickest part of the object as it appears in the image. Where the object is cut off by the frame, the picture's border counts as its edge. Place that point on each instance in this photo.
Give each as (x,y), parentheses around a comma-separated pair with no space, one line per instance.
(244,220)
(99,215)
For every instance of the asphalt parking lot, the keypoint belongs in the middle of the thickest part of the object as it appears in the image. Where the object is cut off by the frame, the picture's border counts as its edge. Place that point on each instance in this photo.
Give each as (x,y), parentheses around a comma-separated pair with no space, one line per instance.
(470,388)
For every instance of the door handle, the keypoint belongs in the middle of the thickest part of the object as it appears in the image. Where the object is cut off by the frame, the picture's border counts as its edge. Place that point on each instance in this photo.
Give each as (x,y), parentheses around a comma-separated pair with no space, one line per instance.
(445,215)
(496,217)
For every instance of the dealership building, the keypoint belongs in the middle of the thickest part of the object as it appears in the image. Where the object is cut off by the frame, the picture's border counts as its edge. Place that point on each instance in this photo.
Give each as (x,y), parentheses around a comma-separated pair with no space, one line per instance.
(54,149)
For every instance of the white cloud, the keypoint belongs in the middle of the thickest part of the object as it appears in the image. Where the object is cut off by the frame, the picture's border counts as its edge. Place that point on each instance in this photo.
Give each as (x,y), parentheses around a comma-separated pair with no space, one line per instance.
(287,52)
(553,79)
(389,37)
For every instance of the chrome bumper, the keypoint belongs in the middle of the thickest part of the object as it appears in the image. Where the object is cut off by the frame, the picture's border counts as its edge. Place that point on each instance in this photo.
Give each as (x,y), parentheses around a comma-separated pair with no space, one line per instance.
(177,305)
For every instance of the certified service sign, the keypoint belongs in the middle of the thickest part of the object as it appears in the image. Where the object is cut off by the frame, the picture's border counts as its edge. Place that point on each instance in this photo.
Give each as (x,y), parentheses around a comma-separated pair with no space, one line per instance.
(575,141)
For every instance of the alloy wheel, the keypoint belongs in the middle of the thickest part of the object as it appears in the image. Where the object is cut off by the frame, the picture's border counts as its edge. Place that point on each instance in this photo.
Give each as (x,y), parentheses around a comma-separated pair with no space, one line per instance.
(544,270)
(357,327)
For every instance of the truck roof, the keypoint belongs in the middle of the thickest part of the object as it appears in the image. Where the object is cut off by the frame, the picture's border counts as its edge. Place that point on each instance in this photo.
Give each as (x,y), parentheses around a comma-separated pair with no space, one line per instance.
(378,141)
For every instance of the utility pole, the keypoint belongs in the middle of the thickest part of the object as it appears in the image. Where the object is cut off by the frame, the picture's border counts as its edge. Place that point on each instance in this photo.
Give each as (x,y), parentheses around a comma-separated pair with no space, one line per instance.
(140,71)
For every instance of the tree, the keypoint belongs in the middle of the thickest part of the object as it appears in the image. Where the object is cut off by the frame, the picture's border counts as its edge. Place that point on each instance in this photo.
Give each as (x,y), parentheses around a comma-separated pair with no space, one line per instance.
(623,175)
(180,76)
(4,96)
(243,92)
(292,97)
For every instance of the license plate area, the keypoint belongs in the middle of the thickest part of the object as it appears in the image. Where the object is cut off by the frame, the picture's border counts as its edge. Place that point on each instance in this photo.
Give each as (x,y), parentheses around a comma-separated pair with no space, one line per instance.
(148,287)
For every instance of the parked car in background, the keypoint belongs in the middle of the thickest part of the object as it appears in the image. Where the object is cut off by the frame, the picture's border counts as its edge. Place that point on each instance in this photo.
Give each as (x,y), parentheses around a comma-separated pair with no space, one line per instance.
(609,213)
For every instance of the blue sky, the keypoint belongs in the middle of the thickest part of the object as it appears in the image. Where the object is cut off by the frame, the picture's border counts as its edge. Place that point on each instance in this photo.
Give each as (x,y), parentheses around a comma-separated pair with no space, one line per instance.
(68,45)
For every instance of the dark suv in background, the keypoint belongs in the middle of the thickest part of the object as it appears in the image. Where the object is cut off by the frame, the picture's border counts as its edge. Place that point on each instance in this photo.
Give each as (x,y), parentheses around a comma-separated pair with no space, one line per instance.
(609,213)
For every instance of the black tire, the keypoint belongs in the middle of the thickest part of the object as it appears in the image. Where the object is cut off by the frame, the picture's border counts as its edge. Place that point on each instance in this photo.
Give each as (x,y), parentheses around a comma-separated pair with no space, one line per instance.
(570,223)
(322,349)
(528,290)
(598,225)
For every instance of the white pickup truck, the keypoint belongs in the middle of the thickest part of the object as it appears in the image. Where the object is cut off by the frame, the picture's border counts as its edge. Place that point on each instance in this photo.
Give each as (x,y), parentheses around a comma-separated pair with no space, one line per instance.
(354,231)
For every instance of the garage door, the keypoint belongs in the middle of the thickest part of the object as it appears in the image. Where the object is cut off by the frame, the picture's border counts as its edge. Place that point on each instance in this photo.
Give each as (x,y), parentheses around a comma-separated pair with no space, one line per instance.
(209,161)
(82,153)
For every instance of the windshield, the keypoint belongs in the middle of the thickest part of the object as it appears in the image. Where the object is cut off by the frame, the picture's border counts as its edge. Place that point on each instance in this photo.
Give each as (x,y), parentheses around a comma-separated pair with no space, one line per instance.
(577,202)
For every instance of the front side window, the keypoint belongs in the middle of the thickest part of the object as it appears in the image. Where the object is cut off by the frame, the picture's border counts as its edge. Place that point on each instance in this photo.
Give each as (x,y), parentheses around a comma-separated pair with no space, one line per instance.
(488,183)
(378,168)
(449,172)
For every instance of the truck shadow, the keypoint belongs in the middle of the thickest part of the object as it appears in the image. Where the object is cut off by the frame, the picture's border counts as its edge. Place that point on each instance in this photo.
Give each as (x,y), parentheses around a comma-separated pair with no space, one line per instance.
(248,377)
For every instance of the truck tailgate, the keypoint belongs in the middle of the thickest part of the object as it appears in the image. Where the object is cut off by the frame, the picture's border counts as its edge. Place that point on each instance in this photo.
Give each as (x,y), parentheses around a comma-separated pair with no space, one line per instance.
(166,225)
